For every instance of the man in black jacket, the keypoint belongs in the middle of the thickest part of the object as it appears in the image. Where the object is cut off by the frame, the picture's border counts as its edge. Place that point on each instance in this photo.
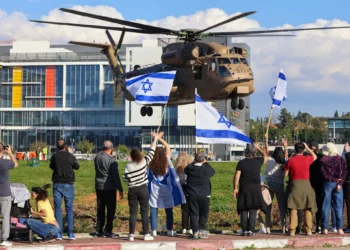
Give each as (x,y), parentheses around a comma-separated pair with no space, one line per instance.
(107,181)
(198,194)
(63,163)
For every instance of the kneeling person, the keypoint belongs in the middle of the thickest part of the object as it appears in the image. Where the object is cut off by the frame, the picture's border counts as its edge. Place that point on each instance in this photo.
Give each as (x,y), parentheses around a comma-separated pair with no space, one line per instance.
(45,224)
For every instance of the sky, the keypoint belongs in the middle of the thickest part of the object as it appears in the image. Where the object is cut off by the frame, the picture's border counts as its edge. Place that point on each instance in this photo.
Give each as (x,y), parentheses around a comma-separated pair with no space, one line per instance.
(316,63)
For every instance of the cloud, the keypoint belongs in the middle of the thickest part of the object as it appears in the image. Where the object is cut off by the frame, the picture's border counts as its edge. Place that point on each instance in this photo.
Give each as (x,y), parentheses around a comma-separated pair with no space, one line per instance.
(314,61)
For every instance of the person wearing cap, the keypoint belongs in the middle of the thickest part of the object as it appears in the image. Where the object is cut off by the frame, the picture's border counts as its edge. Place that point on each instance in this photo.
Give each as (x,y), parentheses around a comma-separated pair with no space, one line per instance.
(334,172)
(301,195)
(249,195)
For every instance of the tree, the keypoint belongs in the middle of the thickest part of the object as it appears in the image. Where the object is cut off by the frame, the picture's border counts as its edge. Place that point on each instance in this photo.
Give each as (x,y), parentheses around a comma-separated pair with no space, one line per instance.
(286,119)
(123,149)
(336,115)
(85,146)
(34,145)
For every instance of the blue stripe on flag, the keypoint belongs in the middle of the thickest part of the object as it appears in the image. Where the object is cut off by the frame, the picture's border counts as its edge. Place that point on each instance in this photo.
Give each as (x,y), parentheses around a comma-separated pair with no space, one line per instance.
(153,75)
(207,133)
(147,98)
(198,99)
(276,102)
(282,76)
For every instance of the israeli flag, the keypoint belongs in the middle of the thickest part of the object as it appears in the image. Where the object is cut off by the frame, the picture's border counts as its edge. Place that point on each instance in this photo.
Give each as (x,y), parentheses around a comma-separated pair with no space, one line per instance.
(151,88)
(213,127)
(279,92)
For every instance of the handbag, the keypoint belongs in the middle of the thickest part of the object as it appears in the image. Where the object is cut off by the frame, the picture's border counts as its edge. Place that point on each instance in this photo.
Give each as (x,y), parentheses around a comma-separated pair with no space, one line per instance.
(266,194)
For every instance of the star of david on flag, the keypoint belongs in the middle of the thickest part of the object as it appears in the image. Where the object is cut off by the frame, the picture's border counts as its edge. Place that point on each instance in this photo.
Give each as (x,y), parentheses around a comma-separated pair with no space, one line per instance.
(152,88)
(213,127)
(147,86)
(278,93)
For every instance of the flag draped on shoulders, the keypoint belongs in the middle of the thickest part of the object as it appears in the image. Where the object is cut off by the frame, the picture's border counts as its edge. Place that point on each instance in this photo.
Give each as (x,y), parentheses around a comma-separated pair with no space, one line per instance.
(151,88)
(279,92)
(213,127)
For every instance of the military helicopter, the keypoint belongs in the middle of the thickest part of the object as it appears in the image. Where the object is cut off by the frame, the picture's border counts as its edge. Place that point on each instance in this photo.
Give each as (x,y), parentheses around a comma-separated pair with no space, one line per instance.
(216,71)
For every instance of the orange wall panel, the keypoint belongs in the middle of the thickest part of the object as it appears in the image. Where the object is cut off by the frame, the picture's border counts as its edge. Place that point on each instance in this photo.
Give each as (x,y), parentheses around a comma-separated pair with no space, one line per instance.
(50,86)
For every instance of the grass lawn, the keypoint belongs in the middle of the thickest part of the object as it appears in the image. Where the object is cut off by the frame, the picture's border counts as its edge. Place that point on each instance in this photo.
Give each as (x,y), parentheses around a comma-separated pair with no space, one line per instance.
(223,206)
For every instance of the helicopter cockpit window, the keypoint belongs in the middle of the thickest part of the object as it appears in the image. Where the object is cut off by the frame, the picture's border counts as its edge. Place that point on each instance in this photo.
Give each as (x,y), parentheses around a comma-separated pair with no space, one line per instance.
(224,72)
(244,60)
(224,61)
(212,65)
(235,61)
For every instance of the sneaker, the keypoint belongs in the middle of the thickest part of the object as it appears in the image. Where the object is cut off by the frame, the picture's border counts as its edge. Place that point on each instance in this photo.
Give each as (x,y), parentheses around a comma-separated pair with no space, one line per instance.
(203,234)
(110,235)
(6,243)
(131,237)
(268,230)
(262,231)
(340,232)
(325,231)
(154,233)
(171,233)
(59,237)
(190,231)
(309,233)
(318,230)
(333,230)
(194,236)
(148,237)
(250,233)
(184,231)
(49,238)
(71,236)
(240,232)
(292,233)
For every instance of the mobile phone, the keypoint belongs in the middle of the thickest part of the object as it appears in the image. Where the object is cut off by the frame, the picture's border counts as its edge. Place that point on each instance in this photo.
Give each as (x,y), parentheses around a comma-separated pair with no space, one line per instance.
(6,147)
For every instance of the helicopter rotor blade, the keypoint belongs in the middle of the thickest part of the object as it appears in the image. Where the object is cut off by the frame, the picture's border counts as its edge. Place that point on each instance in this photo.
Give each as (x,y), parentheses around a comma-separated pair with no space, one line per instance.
(228,21)
(120,40)
(145,27)
(100,27)
(238,33)
(262,35)
(110,38)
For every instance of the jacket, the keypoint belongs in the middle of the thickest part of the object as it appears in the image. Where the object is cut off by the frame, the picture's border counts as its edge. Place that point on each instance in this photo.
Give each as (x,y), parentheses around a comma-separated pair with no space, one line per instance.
(107,174)
(63,164)
(333,169)
(198,179)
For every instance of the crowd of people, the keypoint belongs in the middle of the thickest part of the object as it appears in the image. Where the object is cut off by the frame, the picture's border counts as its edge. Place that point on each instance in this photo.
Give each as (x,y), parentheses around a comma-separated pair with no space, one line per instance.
(311,182)
(318,180)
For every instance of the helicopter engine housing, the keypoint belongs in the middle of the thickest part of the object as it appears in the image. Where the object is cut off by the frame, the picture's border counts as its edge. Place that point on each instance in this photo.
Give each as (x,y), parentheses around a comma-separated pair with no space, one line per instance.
(180,57)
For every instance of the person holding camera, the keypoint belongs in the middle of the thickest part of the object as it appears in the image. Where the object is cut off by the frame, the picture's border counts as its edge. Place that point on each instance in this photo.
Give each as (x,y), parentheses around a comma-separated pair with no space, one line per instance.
(5,192)
(63,163)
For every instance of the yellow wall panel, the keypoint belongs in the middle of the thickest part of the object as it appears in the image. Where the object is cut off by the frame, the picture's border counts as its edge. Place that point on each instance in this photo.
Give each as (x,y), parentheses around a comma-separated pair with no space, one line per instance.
(17,88)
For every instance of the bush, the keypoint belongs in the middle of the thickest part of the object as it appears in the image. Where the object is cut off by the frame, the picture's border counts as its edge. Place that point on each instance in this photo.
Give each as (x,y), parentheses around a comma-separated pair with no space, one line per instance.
(122,151)
(85,146)
(33,146)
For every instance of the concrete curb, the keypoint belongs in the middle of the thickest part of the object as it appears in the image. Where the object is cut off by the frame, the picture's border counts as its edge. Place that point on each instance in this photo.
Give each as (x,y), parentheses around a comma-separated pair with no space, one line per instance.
(200,244)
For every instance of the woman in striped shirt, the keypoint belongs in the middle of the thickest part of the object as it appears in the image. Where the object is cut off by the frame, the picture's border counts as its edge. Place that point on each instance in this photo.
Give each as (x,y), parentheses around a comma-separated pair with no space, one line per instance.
(135,175)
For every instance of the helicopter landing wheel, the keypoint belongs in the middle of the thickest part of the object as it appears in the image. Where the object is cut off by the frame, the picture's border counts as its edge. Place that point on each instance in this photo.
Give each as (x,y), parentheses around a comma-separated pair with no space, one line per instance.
(149,111)
(234,103)
(241,104)
(143,111)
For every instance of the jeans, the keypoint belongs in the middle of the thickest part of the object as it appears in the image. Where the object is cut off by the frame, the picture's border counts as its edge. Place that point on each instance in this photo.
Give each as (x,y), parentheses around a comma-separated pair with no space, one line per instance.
(105,198)
(277,189)
(138,195)
(169,218)
(5,204)
(248,218)
(334,219)
(199,211)
(42,229)
(331,195)
(64,191)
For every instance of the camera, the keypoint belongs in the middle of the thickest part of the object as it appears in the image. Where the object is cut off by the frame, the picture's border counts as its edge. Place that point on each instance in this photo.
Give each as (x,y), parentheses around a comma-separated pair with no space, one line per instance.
(6,147)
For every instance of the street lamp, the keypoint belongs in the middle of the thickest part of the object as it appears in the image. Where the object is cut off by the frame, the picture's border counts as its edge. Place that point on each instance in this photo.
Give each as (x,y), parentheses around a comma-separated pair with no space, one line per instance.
(72,144)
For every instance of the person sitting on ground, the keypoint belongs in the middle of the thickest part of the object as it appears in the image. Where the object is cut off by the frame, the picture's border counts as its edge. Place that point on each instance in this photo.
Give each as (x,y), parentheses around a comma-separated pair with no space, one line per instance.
(135,175)
(334,173)
(164,187)
(301,195)
(249,195)
(181,162)
(45,225)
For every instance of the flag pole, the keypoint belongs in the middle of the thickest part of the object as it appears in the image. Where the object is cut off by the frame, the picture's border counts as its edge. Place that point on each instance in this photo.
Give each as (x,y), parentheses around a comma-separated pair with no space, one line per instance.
(269,121)
(195,118)
(161,118)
